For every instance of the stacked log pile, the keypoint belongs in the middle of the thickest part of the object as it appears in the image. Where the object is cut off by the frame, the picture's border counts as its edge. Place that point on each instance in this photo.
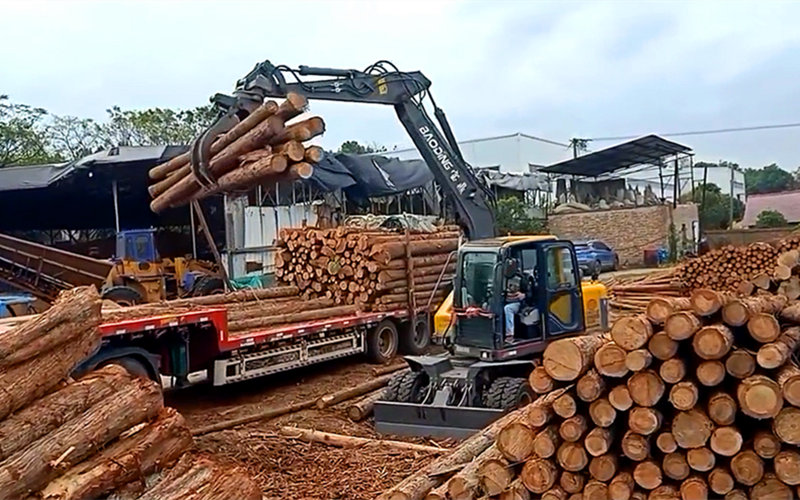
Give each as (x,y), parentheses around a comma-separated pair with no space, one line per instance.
(64,439)
(378,270)
(264,148)
(633,294)
(700,401)
(756,266)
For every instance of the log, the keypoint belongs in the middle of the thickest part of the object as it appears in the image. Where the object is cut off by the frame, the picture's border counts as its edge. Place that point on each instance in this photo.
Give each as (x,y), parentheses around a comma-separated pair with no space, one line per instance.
(598,441)
(647,475)
(682,325)
(762,281)
(736,494)
(675,466)
(72,312)
(245,177)
(565,406)
(385,252)
(710,373)
(313,154)
(620,397)
(554,493)
(590,386)
(595,490)
(632,332)
(766,444)
(791,313)
(644,421)
(621,487)
(781,273)
(701,459)
(771,488)
(775,354)
(28,381)
(573,428)
(787,467)
(726,441)
(389,275)
(786,426)
(759,397)
(572,482)
(694,488)
(572,457)
(363,408)
(567,359)
(602,413)
(790,288)
(30,469)
(515,491)
(50,412)
(301,170)
(739,311)
(720,481)
(713,342)
(540,381)
(684,395)
(646,388)
(691,429)
(293,150)
(660,308)
(740,364)
(155,445)
(280,319)
(789,381)
(609,360)
(355,391)
(747,467)
(764,327)
(300,131)
(538,415)
(635,446)
(538,475)
(706,302)
(255,310)
(662,347)
(603,467)
(672,370)
(467,482)
(546,442)
(516,441)
(342,441)
(638,360)
(722,408)
(665,442)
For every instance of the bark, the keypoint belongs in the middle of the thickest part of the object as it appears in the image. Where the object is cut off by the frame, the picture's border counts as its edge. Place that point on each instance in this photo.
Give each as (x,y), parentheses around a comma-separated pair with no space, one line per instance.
(644,421)
(567,359)
(423,260)
(255,309)
(759,397)
(747,467)
(722,408)
(342,441)
(590,386)
(647,475)
(764,327)
(785,426)
(662,347)
(363,408)
(52,411)
(682,325)
(790,288)
(156,445)
(32,468)
(672,370)
(245,177)
(638,360)
(740,364)
(710,373)
(675,466)
(660,308)
(266,321)
(538,475)
(775,354)
(465,484)
(352,392)
(684,395)
(720,481)
(701,459)
(25,382)
(632,332)
(707,302)
(516,491)
(572,457)
(603,467)
(736,494)
(789,382)
(792,313)
(546,442)
(713,342)
(390,275)
(495,474)
(598,441)
(739,311)
(602,413)
(646,388)
(385,252)
(691,429)
(620,397)
(766,444)
(609,360)
(726,441)
(635,446)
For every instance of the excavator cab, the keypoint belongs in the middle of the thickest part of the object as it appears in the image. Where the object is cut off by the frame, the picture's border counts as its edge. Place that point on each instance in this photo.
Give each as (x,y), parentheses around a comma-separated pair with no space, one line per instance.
(511,297)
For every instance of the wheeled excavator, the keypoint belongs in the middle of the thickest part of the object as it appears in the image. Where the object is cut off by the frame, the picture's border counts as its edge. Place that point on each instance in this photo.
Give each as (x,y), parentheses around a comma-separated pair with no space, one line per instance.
(484,371)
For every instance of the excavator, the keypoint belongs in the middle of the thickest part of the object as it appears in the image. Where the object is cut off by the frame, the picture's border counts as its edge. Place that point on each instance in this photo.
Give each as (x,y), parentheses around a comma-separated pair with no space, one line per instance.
(512,295)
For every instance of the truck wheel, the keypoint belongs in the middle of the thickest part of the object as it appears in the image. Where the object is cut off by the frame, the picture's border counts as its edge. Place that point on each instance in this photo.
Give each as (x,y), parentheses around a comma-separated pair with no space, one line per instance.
(411,386)
(123,295)
(416,336)
(382,342)
(390,394)
(134,366)
(208,285)
(508,393)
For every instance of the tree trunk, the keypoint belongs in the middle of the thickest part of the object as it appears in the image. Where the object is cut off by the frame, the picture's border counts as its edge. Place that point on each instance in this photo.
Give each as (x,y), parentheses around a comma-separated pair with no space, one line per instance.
(694,488)
(571,482)
(662,347)
(602,413)
(595,490)
(363,408)
(764,327)
(726,441)
(707,302)
(342,441)
(787,467)
(738,311)
(31,469)
(156,445)
(701,459)
(766,444)
(672,370)
(495,475)
(660,308)
(598,441)
(385,252)
(565,406)
(682,325)
(747,467)
(266,321)
(567,359)
(609,360)
(635,446)
(665,442)
(423,260)
(638,360)
(300,131)
(785,426)
(546,442)
(789,382)
(646,388)
(301,170)
(713,342)
(722,408)
(245,177)
(775,354)
(604,467)
(355,391)
(632,332)
(647,475)
(390,275)
(720,481)
(771,488)
(572,457)
(573,428)
(515,491)
(538,475)
(313,154)
(620,397)
(540,381)
(691,429)
(621,487)
(255,309)
(555,493)
(293,150)
(590,386)
(740,364)
(645,421)
(516,441)
(684,395)
(675,466)
(792,313)
(710,373)
(759,397)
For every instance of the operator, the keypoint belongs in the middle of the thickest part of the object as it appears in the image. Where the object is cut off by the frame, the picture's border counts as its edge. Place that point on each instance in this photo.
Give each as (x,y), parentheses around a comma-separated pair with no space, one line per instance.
(514,297)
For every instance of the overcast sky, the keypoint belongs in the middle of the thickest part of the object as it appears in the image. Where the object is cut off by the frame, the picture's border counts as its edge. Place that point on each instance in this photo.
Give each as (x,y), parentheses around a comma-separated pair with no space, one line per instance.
(555,70)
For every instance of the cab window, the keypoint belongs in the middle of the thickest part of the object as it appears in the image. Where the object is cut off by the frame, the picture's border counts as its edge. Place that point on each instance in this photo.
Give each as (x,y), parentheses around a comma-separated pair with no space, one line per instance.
(560,271)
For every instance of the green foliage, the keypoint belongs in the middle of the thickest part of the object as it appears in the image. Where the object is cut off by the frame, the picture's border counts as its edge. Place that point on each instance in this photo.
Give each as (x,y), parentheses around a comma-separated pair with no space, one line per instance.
(73,138)
(716,211)
(513,217)
(154,126)
(771,218)
(23,138)
(769,179)
(354,147)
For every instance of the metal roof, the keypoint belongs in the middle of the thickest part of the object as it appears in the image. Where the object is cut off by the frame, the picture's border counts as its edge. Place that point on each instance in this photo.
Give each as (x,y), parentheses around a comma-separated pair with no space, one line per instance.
(649,149)
(787,203)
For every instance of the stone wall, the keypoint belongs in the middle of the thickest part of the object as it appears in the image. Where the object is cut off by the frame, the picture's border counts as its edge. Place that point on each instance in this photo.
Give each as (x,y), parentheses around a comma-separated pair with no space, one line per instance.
(626,230)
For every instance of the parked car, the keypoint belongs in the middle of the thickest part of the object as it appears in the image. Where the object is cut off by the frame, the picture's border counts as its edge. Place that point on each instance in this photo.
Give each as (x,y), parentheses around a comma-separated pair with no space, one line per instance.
(594,255)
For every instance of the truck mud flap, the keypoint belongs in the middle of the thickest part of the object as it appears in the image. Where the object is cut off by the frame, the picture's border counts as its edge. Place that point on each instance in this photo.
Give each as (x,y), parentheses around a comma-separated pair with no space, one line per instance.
(409,419)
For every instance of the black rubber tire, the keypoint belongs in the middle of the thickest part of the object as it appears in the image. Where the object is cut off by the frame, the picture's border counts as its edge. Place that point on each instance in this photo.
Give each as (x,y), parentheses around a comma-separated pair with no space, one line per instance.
(134,366)
(416,337)
(508,393)
(382,342)
(616,263)
(409,388)
(208,285)
(390,393)
(123,295)
(598,267)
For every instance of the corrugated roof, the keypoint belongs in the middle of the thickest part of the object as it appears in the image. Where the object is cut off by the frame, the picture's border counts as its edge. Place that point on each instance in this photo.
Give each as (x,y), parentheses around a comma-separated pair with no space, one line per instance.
(787,203)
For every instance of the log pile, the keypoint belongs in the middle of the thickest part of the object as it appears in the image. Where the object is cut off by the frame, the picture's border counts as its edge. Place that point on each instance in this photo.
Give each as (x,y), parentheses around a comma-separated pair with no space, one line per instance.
(64,439)
(373,269)
(745,269)
(265,147)
(702,403)
(633,294)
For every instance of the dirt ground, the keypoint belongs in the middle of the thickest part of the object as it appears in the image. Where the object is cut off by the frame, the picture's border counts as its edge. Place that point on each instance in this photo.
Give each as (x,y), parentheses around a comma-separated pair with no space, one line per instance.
(289,469)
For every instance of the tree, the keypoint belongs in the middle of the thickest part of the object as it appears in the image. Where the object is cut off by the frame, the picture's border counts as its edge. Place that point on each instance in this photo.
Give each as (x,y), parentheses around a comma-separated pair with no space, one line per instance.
(73,138)
(23,138)
(768,179)
(716,211)
(512,217)
(771,218)
(156,126)
(354,147)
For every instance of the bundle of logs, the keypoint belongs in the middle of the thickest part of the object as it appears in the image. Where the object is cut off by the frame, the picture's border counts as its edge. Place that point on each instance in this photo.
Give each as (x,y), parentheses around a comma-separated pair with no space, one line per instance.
(259,150)
(729,268)
(65,439)
(632,294)
(697,398)
(372,269)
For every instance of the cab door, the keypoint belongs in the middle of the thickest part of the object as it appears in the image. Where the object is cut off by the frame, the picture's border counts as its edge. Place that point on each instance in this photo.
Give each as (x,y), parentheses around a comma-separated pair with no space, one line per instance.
(562,304)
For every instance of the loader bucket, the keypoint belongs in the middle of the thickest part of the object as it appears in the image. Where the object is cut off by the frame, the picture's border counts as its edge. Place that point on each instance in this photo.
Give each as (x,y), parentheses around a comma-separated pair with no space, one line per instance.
(410,419)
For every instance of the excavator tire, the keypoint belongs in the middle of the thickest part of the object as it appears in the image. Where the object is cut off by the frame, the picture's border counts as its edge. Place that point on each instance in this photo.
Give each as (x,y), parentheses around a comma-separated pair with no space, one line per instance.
(390,394)
(123,295)
(409,389)
(415,337)
(508,393)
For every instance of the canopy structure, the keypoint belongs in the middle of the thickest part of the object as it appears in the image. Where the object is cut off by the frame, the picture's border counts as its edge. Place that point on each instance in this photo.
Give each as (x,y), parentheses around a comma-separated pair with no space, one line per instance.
(650,149)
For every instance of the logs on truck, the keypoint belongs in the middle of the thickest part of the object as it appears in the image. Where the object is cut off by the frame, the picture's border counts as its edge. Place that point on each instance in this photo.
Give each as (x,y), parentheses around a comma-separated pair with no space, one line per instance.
(704,403)
(267,146)
(65,439)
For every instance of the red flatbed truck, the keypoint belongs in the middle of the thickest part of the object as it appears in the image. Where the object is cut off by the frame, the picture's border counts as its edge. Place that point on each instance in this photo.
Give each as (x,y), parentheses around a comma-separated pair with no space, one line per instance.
(176,345)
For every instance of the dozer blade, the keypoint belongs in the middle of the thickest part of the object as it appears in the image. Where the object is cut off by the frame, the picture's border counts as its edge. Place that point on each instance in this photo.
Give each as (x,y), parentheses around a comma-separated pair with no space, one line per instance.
(409,419)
